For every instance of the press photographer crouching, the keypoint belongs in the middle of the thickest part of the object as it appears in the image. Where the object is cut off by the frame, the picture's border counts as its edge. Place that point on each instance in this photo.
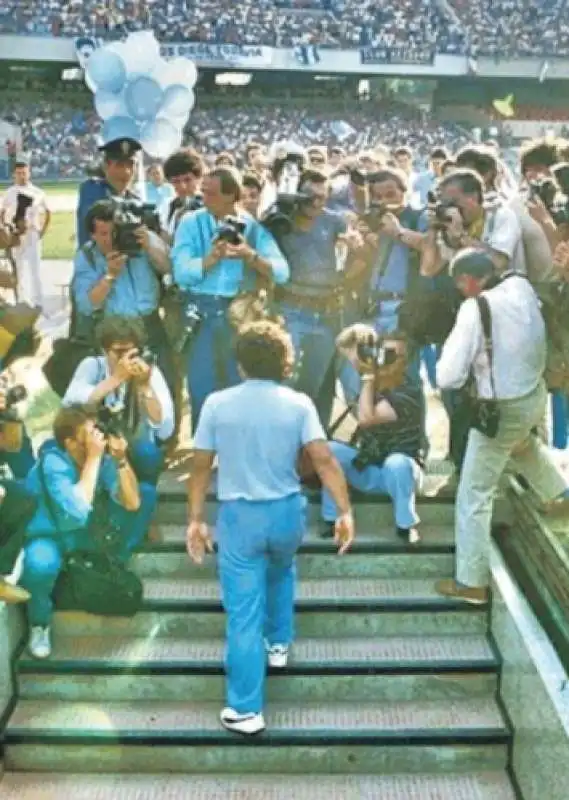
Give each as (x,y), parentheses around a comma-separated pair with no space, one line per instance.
(387,455)
(130,392)
(496,355)
(87,492)
(117,273)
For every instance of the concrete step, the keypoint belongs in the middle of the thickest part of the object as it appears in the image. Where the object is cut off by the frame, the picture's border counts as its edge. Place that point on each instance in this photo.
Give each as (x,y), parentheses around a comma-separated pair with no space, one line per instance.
(43,786)
(191,607)
(180,736)
(325,670)
(377,555)
(372,513)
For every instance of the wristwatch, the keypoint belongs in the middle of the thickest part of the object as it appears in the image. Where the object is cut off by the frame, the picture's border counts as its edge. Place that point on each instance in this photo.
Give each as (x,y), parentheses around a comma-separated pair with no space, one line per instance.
(122,463)
(109,278)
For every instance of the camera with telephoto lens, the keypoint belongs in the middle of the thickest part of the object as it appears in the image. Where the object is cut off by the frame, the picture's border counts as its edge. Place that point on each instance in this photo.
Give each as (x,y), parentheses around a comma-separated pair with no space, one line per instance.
(128,216)
(548,191)
(361,177)
(231,230)
(23,202)
(110,420)
(373,216)
(14,395)
(279,218)
(373,352)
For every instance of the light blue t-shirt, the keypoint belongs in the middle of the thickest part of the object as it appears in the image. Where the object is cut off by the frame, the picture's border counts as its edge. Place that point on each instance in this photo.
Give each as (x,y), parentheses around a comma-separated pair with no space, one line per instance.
(257,430)
(158,195)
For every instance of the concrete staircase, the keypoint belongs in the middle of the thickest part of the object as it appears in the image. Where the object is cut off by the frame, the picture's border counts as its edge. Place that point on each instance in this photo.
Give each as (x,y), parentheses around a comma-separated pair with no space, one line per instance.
(392,693)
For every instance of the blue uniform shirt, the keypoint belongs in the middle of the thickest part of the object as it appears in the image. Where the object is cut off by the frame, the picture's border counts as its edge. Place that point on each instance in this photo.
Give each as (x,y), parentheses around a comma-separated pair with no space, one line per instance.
(257,430)
(193,242)
(90,192)
(62,474)
(134,293)
(312,254)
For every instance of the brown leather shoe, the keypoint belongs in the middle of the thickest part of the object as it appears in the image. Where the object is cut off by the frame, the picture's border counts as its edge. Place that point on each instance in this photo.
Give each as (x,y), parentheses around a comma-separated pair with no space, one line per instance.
(12,594)
(476,596)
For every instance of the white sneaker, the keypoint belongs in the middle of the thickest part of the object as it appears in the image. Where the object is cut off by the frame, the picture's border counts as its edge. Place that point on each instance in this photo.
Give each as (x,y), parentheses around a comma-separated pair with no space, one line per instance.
(277,655)
(248,724)
(40,642)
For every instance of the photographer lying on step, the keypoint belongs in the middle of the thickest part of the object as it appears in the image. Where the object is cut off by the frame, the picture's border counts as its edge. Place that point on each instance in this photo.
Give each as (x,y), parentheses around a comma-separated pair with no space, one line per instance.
(130,392)
(387,456)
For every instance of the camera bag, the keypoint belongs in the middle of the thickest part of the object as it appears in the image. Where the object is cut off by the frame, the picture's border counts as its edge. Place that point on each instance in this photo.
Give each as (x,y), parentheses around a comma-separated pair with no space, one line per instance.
(94,580)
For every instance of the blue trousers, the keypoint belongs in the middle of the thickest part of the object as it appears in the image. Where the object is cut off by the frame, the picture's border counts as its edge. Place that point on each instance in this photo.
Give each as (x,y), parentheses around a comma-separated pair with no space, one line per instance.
(429,359)
(147,460)
(313,336)
(44,554)
(398,478)
(211,361)
(257,544)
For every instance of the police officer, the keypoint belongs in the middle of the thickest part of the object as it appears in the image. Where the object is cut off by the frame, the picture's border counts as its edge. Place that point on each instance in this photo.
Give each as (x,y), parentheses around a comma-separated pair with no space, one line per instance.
(118,168)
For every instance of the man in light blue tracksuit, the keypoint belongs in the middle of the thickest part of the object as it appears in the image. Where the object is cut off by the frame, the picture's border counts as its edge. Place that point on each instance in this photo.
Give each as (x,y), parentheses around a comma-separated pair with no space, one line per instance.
(258,430)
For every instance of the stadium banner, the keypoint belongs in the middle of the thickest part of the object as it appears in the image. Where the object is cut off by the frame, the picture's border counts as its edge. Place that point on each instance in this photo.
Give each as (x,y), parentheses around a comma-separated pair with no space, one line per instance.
(228,55)
(400,54)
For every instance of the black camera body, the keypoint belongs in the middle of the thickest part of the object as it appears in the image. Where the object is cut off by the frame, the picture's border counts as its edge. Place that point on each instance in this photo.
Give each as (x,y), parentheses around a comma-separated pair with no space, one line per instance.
(23,202)
(14,395)
(279,218)
(361,177)
(110,420)
(374,215)
(440,209)
(129,215)
(374,352)
(557,204)
(148,356)
(231,230)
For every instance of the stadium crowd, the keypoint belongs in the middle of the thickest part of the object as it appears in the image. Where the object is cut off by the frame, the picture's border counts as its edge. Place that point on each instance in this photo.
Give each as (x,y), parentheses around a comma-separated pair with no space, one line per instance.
(503,28)
(61,139)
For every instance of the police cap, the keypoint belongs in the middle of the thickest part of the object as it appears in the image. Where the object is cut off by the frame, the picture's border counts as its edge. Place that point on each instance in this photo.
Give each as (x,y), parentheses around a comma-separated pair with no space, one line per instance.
(120,149)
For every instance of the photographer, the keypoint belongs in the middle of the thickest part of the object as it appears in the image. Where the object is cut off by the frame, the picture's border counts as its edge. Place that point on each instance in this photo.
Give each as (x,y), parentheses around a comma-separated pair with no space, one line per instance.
(507,401)
(80,475)
(460,219)
(119,170)
(24,208)
(17,507)
(109,283)
(219,251)
(311,303)
(387,457)
(135,391)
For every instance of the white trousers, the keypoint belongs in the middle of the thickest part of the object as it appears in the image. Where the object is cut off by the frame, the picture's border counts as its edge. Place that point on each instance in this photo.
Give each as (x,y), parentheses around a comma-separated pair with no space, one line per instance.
(28,268)
(484,464)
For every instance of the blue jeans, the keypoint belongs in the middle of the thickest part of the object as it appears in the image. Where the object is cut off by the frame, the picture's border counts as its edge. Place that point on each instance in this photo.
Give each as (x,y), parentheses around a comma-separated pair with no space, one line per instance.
(22,461)
(211,361)
(398,478)
(44,554)
(256,560)
(147,460)
(559,420)
(313,336)
(429,358)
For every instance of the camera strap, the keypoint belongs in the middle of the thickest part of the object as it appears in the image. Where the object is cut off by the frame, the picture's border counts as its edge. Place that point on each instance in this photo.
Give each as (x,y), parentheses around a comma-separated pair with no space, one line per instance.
(486,319)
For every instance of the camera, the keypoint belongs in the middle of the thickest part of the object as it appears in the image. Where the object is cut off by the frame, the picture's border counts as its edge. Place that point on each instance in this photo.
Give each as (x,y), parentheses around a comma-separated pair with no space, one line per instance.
(23,202)
(544,189)
(14,395)
(374,215)
(547,190)
(184,318)
(231,230)
(440,209)
(148,356)
(360,177)
(129,215)
(374,352)
(109,420)
(279,218)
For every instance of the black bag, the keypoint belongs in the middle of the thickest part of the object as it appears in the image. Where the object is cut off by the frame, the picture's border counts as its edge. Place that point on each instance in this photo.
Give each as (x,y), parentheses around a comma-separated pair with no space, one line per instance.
(94,580)
(61,365)
(486,413)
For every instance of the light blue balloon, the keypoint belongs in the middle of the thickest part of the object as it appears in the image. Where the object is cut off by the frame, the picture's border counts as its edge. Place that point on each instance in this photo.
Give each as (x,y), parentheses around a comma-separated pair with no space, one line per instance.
(120,128)
(106,70)
(143,96)
(108,104)
(178,102)
(160,138)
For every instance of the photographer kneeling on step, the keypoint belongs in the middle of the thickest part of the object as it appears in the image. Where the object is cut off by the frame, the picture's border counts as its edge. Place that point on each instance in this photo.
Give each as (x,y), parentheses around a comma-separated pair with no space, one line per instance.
(129,391)
(387,456)
(85,488)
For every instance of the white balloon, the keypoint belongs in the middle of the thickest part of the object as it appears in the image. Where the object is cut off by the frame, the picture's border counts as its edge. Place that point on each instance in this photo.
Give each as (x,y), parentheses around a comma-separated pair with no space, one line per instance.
(108,104)
(178,72)
(160,138)
(142,53)
(178,102)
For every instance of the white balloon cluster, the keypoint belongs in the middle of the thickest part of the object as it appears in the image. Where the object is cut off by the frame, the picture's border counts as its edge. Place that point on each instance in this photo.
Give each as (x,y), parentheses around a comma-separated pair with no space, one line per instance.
(139,95)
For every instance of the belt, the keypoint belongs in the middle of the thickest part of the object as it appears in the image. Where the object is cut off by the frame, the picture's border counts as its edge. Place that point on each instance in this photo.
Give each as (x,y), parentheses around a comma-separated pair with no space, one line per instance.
(380,297)
(328,302)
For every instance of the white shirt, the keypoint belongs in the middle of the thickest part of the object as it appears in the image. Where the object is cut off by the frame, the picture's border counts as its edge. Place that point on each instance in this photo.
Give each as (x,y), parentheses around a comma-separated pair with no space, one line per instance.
(502,232)
(35,214)
(518,337)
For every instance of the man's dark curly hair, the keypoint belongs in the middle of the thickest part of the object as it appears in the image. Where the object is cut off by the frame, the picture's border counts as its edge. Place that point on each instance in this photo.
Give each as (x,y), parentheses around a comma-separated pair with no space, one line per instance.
(264,351)
(115,329)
